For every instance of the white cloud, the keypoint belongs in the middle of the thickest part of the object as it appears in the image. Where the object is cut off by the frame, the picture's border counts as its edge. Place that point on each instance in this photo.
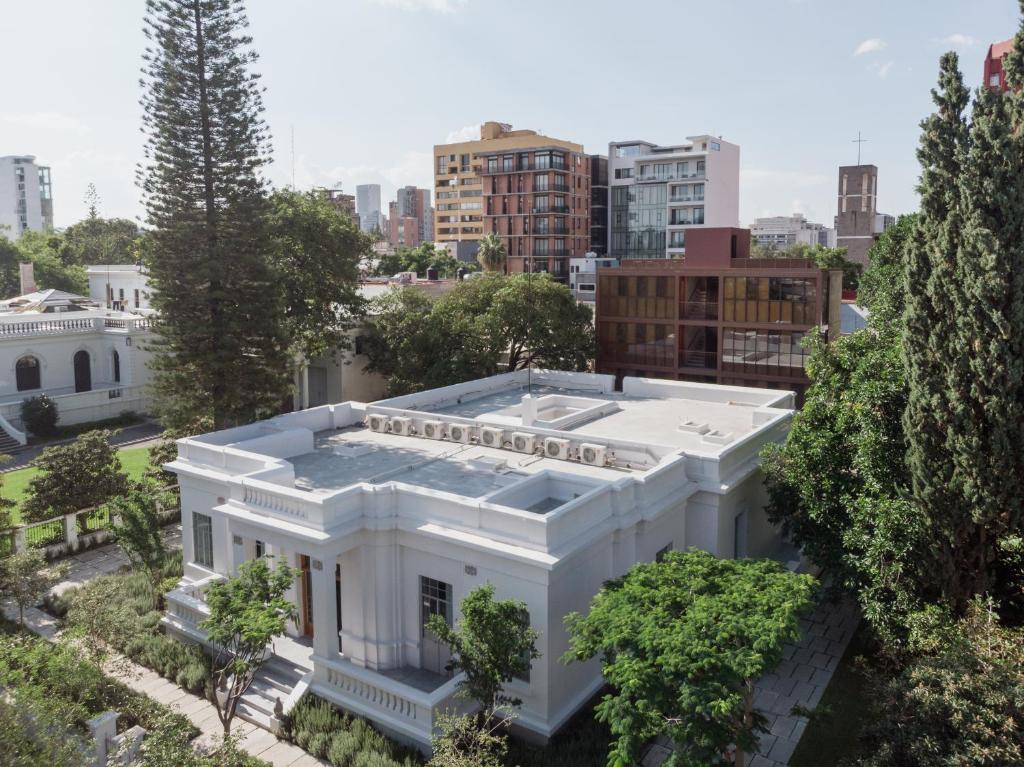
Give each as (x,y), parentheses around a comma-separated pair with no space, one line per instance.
(871,45)
(467,133)
(959,40)
(436,6)
(54,121)
(883,69)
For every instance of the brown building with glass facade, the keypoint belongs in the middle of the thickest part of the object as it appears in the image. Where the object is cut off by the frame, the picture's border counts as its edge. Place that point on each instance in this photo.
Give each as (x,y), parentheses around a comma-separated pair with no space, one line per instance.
(715,315)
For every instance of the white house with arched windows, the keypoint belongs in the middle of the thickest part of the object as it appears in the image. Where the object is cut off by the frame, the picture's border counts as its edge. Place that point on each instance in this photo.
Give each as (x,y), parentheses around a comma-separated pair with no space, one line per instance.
(89,359)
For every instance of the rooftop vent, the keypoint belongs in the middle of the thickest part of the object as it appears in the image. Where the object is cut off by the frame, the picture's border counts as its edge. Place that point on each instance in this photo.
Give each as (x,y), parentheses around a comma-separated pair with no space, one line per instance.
(693,427)
(717,437)
(355,450)
(486,463)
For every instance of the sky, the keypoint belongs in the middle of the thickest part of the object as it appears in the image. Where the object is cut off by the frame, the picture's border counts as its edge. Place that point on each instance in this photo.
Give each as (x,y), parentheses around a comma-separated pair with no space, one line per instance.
(367,87)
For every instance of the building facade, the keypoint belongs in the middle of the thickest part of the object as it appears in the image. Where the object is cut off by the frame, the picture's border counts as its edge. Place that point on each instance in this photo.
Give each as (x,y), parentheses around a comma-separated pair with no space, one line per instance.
(994,78)
(598,205)
(410,218)
(858,222)
(530,189)
(368,207)
(121,287)
(341,202)
(780,232)
(583,276)
(659,193)
(26,196)
(392,512)
(716,316)
(90,360)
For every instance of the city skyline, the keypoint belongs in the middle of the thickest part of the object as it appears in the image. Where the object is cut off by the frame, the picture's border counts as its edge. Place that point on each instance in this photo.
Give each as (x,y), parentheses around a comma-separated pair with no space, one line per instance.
(795,122)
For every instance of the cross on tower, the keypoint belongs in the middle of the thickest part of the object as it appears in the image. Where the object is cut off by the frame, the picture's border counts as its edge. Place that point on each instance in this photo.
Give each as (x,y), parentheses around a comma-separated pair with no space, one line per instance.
(859,141)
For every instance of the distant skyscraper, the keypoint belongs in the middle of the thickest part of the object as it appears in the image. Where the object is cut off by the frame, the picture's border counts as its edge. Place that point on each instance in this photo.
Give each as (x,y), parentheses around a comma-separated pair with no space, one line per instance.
(26,197)
(368,206)
(411,218)
(858,222)
(995,78)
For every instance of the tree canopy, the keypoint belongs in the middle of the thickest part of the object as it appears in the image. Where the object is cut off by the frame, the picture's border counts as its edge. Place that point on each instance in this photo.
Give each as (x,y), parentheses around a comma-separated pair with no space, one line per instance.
(681,643)
(483,326)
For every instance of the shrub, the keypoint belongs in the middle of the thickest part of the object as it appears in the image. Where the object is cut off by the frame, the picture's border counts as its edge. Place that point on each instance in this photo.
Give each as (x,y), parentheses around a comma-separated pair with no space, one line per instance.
(40,416)
(344,747)
(318,744)
(313,716)
(374,759)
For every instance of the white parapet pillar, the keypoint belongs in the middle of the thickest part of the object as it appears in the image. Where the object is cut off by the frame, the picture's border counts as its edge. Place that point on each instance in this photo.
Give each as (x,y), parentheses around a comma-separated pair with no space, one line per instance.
(528,410)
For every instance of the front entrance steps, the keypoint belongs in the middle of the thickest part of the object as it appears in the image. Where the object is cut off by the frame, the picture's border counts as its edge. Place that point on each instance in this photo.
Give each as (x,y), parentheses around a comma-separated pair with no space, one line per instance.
(275,683)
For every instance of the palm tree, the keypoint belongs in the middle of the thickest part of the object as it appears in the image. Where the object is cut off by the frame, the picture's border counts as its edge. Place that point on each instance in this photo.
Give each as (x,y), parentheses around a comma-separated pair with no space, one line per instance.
(491,253)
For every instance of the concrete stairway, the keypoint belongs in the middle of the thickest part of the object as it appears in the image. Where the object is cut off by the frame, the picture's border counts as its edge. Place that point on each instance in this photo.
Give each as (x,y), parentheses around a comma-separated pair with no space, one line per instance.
(275,680)
(8,444)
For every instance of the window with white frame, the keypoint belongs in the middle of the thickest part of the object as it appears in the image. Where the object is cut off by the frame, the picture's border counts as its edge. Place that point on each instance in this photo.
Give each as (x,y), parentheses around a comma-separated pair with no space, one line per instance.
(202,539)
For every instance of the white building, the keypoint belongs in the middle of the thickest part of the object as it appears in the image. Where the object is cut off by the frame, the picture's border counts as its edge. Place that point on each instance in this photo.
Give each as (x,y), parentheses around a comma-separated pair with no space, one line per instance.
(122,287)
(90,360)
(26,196)
(779,232)
(583,276)
(394,511)
(657,192)
(368,207)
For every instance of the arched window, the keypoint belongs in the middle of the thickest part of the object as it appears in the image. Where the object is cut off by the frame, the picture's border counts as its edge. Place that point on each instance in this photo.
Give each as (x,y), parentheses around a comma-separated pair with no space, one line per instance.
(117,367)
(26,373)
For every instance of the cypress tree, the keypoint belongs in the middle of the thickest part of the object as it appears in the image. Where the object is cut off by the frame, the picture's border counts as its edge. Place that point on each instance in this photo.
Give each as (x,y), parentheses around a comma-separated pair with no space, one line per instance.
(930,317)
(221,350)
(988,442)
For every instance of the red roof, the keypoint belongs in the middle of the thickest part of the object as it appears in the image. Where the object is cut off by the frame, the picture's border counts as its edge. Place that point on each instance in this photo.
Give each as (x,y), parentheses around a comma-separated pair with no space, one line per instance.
(998,50)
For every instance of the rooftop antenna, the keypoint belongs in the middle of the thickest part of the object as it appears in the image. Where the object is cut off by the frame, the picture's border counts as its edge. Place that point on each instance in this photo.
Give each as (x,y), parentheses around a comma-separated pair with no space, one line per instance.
(293,157)
(859,142)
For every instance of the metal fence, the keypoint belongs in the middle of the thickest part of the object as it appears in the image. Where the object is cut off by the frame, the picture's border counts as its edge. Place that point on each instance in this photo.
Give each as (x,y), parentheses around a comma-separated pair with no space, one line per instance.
(94,520)
(46,533)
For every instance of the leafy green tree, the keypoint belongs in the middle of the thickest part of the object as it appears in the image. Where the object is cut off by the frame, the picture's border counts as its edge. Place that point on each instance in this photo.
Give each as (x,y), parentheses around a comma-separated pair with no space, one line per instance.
(315,251)
(45,251)
(222,348)
(10,257)
(26,576)
(461,742)
(40,415)
(76,476)
(492,644)
(681,644)
(101,241)
(881,288)
(959,704)
(481,327)
(246,613)
(38,730)
(491,253)
(137,529)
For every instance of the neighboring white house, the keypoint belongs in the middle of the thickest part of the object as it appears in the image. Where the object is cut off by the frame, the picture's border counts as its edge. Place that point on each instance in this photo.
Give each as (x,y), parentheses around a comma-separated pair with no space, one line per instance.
(123,287)
(545,484)
(91,361)
(583,277)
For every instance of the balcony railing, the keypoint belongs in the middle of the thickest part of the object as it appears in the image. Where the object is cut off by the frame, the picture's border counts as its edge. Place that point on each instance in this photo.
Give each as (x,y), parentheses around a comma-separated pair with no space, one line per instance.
(71,325)
(698,359)
(671,177)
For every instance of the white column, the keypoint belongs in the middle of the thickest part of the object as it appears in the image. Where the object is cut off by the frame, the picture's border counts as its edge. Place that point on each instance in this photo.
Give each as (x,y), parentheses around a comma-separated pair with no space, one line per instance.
(325,622)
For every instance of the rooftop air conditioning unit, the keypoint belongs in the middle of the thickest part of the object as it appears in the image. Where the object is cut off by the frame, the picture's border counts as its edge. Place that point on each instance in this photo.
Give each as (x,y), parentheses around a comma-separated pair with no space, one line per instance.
(401,424)
(377,422)
(491,436)
(523,442)
(594,455)
(433,429)
(556,447)
(460,432)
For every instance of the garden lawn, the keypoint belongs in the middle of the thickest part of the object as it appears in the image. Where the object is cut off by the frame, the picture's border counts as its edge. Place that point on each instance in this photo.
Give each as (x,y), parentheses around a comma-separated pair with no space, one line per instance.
(15,483)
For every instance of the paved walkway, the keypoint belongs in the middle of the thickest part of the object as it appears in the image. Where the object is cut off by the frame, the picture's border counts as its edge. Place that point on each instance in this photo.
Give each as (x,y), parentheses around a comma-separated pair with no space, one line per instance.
(800,680)
(137,435)
(255,741)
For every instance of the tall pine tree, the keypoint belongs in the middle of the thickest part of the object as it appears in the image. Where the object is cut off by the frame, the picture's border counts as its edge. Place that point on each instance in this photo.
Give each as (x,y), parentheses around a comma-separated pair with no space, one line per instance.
(930,316)
(222,351)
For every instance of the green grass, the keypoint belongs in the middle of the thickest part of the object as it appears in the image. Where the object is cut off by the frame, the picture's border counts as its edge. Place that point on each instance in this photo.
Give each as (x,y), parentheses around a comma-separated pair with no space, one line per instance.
(15,483)
(833,731)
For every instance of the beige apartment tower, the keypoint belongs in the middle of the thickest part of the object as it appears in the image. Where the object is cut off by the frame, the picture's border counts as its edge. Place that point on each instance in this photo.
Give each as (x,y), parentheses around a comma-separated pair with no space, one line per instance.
(530,189)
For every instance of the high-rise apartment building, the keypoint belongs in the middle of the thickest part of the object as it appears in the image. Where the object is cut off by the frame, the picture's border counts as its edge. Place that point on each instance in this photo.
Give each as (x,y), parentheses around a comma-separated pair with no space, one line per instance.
(368,207)
(658,193)
(410,218)
(717,316)
(780,232)
(341,202)
(994,76)
(532,190)
(26,196)
(598,204)
(858,222)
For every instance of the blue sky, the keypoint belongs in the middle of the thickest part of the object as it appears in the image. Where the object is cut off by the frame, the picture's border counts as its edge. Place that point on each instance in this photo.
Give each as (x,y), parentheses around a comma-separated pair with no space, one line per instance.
(369,86)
